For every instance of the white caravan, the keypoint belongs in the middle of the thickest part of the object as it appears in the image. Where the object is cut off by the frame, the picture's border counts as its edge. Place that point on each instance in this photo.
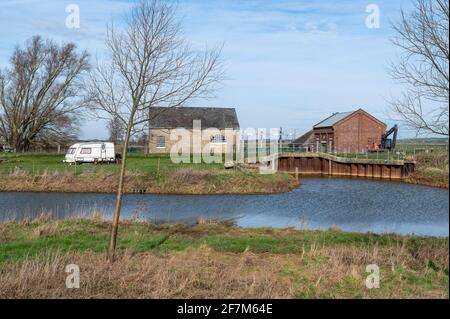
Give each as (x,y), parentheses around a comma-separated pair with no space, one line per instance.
(92,152)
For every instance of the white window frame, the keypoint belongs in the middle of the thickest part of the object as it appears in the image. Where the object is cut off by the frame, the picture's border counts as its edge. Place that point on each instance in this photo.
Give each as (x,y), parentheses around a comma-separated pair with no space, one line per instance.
(218,139)
(158,145)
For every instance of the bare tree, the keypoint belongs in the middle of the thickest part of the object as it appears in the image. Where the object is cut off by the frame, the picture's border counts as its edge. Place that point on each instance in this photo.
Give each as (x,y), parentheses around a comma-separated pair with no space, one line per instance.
(424,66)
(116,129)
(151,65)
(41,93)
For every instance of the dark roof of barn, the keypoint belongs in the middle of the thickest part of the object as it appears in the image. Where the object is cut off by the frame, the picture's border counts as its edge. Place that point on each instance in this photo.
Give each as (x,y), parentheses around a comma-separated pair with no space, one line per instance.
(211,117)
(304,138)
(333,119)
(337,117)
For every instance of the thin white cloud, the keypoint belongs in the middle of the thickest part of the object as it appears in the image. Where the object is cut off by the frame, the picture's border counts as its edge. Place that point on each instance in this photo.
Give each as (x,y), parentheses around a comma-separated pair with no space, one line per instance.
(291,63)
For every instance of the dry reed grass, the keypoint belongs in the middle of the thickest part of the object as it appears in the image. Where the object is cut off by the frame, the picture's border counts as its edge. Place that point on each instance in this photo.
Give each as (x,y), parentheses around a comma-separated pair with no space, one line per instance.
(194,273)
(204,273)
(432,169)
(189,175)
(181,181)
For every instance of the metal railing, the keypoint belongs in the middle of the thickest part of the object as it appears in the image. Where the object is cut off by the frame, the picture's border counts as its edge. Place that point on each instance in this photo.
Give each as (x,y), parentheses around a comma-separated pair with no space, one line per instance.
(401,151)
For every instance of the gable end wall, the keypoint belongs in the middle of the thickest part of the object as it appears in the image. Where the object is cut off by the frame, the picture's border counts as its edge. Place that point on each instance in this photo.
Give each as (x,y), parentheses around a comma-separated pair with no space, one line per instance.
(353,134)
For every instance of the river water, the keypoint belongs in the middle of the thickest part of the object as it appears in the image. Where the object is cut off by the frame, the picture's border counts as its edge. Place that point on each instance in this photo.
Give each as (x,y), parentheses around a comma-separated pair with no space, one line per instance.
(350,204)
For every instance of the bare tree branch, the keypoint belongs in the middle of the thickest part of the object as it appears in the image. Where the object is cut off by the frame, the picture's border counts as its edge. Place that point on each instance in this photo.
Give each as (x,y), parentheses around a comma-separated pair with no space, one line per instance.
(151,65)
(41,94)
(422,36)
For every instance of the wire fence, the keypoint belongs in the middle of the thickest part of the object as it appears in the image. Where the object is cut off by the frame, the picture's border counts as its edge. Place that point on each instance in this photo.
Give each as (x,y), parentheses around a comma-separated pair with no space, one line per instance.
(43,161)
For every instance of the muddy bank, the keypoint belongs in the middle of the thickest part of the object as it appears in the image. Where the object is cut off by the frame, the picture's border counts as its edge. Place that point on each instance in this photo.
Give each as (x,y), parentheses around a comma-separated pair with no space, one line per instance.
(427,181)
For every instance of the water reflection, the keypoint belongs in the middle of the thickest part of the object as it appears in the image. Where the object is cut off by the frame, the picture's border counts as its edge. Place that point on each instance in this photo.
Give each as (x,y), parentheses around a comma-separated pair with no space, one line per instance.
(350,204)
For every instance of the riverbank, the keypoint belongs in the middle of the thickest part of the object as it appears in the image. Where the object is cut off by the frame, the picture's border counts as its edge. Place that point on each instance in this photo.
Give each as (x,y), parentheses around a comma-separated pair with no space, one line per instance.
(157,175)
(215,260)
(184,181)
(431,170)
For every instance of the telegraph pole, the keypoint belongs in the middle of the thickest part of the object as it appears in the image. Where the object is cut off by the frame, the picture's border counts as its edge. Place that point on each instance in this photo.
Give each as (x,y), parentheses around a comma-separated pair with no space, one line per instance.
(280,138)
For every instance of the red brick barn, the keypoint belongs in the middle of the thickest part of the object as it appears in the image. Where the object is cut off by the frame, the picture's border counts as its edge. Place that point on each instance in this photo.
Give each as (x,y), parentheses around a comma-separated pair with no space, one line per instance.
(348,132)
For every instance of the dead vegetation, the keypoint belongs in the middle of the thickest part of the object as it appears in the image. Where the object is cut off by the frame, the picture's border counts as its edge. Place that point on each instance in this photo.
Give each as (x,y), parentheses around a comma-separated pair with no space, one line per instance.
(189,175)
(199,273)
(205,273)
(432,169)
(213,260)
(180,181)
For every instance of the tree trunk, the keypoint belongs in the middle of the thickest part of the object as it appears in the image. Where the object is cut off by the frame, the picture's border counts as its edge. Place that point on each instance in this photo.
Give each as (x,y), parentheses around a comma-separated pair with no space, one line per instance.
(115,221)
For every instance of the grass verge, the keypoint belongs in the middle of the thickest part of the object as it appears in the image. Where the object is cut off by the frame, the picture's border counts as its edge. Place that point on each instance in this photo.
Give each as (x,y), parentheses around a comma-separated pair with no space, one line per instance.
(145,174)
(215,261)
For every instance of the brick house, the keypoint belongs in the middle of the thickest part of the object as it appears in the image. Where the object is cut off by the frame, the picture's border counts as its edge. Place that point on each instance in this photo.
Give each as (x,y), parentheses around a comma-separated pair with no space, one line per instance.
(348,132)
(163,120)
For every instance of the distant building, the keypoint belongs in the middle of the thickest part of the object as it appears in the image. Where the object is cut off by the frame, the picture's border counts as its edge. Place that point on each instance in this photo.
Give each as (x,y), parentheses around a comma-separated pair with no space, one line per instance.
(162,120)
(344,132)
(304,142)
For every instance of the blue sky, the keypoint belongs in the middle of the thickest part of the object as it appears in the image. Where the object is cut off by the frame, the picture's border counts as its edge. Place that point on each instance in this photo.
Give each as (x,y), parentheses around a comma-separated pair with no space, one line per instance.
(289,63)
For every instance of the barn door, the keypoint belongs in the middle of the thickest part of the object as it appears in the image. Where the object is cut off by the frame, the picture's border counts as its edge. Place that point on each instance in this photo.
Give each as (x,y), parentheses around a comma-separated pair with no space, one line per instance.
(324,147)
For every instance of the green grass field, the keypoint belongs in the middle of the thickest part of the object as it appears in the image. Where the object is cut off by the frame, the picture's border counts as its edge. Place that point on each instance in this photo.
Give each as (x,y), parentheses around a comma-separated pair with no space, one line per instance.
(412,149)
(37,163)
(22,240)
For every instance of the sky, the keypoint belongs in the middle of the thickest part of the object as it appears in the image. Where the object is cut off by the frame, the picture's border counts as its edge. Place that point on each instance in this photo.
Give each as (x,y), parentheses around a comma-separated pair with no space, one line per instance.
(289,63)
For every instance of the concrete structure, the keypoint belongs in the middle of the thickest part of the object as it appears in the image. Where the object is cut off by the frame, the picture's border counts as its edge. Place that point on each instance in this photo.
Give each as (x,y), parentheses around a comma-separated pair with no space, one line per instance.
(349,132)
(219,130)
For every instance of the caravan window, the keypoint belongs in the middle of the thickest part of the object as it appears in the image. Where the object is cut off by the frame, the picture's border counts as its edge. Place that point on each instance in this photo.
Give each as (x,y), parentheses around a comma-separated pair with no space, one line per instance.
(71,151)
(86,150)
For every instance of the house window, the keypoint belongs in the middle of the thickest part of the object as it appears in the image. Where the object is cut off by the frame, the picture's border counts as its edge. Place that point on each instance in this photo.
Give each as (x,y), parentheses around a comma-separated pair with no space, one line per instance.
(218,139)
(160,142)
(86,150)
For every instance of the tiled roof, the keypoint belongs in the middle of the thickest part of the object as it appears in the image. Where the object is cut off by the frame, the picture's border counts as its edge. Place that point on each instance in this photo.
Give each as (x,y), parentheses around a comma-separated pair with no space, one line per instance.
(211,117)
(333,119)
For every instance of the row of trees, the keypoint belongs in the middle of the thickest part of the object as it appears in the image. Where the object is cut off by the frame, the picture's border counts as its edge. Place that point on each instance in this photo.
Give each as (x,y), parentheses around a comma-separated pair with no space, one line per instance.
(47,86)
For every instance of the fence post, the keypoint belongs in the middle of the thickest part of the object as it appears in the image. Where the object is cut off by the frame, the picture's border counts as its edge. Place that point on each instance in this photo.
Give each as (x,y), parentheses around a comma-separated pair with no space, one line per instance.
(157,170)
